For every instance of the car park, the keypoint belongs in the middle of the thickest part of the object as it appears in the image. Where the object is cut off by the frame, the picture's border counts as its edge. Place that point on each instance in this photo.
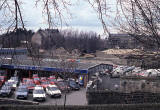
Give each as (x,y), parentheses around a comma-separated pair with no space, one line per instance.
(39,95)
(22,92)
(73,85)
(5,91)
(53,91)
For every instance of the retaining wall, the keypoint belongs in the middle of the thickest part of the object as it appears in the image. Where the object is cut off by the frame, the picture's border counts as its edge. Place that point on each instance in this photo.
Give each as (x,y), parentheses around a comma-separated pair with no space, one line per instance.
(110,97)
(90,107)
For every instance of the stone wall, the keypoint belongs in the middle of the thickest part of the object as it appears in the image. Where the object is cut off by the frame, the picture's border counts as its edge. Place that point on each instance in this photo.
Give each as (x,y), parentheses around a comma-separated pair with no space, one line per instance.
(110,97)
(90,107)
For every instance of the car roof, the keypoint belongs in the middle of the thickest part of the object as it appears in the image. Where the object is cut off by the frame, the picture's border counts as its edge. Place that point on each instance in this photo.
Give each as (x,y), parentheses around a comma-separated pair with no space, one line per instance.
(38,87)
(22,86)
(52,85)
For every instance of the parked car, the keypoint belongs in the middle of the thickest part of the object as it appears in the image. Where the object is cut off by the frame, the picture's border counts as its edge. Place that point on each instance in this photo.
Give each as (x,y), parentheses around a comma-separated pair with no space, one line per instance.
(2,80)
(52,80)
(39,95)
(30,87)
(5,91)
(73,85)
(63,86)
(15,79)
(22,92)
(43,79)
(38,87)
(53,91)
(27,80)
(44,84)
(51,77)
(14,83)
(36,80)
(1,83)
(11,84)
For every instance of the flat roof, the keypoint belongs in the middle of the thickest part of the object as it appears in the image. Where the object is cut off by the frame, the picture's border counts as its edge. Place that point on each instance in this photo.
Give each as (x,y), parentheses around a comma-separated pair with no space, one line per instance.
(29,64)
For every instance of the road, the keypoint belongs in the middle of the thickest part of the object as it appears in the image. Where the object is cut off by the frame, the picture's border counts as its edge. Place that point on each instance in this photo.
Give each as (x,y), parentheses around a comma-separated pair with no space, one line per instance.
(72,98)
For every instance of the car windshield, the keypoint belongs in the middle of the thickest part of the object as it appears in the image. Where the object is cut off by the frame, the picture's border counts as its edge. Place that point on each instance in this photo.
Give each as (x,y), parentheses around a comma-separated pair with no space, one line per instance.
(22,89)
(31,84)
(8,83)
(36,78)
(38,92)
(53,88)
(5,88)
(54,80)
(14,78)
(72,82)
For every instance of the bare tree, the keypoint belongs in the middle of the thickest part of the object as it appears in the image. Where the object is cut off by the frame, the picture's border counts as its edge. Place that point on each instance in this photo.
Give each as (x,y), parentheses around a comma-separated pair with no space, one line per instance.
(140,19)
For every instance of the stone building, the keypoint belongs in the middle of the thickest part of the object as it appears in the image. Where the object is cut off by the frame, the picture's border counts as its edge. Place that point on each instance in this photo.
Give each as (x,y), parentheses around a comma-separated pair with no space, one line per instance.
(122,41)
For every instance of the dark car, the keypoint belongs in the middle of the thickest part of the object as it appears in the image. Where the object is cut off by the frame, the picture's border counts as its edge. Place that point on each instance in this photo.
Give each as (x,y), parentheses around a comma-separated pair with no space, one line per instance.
(5,91)
(63,86)
(22,92)
(30,87)
(73,85)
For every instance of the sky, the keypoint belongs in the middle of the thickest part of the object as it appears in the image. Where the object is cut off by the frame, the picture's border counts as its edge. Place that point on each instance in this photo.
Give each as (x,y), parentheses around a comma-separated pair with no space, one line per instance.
(83,17)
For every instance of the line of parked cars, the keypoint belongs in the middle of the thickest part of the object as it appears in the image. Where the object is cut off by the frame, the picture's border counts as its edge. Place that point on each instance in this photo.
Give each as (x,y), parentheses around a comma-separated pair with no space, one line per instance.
(39,87)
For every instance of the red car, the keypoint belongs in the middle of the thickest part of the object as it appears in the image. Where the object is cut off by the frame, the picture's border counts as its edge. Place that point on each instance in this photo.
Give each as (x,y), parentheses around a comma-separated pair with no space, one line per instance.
(52,80)
(43,79)
(2,79)
(45,84)
(30,87)
(36,80)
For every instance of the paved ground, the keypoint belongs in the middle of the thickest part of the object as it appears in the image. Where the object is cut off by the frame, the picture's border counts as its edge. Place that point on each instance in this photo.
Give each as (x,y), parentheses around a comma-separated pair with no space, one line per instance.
(72,98)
